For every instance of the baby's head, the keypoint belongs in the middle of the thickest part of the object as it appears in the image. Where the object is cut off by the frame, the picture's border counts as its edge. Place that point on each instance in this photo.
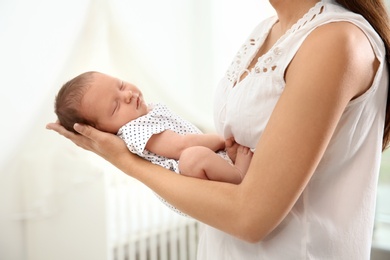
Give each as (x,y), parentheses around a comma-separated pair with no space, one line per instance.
(99,100)
(68,101)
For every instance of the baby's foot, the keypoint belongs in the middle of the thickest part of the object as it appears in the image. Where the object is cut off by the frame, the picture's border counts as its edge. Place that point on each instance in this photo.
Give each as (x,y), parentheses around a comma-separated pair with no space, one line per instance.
(243,159)
(231,148)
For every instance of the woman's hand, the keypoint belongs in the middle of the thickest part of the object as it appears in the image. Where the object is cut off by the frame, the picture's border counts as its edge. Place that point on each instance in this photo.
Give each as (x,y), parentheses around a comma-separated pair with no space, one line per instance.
(106,145)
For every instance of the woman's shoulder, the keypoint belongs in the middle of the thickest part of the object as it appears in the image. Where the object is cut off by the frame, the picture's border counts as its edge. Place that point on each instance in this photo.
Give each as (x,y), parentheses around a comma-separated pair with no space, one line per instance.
(341,55)
(341,28)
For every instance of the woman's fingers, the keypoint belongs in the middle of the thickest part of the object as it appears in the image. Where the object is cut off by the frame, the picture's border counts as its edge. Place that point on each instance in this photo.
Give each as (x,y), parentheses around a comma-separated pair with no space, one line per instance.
(108,146)
(52,126)
(57,127)
(87,131)
(80,140)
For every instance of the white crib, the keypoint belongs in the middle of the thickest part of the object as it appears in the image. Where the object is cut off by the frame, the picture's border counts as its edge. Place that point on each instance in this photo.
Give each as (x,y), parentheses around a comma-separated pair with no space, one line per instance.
(80,211)
(143,228)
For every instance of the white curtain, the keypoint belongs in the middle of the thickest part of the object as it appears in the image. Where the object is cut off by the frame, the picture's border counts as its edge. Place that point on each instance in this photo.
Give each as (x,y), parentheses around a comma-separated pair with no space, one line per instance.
(174,50)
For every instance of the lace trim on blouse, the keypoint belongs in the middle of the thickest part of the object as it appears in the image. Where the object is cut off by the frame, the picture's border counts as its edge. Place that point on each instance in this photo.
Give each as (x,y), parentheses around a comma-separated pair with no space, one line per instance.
(268,61)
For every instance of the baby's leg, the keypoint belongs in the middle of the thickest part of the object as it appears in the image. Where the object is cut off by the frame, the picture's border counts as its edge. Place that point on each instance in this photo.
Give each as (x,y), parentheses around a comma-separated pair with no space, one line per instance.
(201,162)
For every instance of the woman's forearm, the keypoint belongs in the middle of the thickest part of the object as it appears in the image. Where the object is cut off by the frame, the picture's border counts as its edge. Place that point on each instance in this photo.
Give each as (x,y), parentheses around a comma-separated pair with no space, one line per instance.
(225,206)
(196,197)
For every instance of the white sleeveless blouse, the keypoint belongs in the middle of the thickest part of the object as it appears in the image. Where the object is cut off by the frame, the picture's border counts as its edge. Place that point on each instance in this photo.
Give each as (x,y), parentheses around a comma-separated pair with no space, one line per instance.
(333,218)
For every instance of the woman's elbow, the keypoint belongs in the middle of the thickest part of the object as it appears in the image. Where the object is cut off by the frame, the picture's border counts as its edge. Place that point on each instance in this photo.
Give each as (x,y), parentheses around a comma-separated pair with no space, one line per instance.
(251,236)
(254,226)
(252,232)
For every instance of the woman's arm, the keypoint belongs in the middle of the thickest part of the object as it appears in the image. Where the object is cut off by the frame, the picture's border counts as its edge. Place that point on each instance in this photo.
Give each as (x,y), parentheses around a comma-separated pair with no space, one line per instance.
(334,65)
(171,144)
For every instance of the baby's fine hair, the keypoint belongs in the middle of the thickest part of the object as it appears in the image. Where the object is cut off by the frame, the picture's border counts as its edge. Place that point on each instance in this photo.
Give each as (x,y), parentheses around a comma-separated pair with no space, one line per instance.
(68,101)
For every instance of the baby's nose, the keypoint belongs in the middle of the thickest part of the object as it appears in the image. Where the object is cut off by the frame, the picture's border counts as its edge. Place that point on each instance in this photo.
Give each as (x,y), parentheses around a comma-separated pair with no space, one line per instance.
(128,96)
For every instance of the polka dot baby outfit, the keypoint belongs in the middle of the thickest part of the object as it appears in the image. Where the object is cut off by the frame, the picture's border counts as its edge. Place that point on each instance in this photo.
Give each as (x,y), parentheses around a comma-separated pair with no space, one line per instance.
(137,133)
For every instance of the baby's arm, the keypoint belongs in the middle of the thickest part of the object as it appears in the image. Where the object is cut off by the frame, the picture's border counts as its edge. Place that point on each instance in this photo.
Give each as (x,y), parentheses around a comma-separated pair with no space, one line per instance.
(171,144)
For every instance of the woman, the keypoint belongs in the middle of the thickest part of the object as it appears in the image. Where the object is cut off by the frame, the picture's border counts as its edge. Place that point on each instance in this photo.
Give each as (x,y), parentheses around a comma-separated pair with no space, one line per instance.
(307,93)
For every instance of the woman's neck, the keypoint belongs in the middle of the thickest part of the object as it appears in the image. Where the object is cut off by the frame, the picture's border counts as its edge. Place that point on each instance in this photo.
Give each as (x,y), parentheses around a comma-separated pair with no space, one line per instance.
(290,11)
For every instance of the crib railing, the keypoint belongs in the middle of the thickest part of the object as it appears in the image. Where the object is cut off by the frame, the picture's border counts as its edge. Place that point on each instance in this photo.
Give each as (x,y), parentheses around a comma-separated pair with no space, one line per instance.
(76,210)
(141,227)
(174,244)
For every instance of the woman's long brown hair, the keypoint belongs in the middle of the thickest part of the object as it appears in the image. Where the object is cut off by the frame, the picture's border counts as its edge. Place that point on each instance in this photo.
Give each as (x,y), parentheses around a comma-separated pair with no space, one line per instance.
(375,12)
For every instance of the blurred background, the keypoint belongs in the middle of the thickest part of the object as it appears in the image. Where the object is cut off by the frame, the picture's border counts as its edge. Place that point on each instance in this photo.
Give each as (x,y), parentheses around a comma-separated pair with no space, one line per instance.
(60,202)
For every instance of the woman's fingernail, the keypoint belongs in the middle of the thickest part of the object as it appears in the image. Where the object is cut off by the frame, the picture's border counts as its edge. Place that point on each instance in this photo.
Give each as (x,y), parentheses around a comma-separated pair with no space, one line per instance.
(77,127)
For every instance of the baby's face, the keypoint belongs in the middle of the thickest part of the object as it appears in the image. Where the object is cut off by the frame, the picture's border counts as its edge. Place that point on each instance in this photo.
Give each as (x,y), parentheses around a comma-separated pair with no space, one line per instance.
(111,103)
